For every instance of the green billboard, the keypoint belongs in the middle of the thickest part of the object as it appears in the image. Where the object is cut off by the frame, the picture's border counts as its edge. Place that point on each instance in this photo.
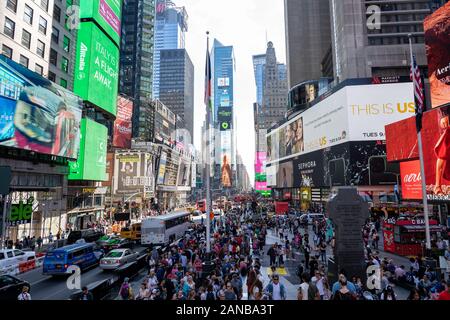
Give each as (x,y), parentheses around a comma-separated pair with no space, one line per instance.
(96,68)
(107,13)
(91,163)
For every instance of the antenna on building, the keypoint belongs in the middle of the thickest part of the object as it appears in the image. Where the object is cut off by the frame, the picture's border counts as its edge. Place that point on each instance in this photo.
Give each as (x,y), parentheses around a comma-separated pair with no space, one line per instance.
(266,39)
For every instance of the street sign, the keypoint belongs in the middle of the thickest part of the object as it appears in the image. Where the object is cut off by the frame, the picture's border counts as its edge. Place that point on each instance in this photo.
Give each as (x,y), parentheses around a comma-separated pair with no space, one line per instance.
(5,180)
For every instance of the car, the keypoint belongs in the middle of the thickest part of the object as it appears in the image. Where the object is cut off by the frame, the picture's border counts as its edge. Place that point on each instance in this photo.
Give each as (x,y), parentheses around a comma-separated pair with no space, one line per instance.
(11,257)
(118,244)
(11,287)
(90,235)
(116,258)
(309,218)
(106,239)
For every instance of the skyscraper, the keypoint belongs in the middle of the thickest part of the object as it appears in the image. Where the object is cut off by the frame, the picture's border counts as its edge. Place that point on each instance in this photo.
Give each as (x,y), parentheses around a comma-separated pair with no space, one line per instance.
(258,64)
(223,66)
(308,38)
(363,49)
(176,85)
(136,63)
(170,28)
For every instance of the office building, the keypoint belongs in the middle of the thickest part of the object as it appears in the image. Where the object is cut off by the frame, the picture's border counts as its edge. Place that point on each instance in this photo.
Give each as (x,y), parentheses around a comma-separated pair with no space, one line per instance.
(136,63)
(176,86)
(170,28)
(258,64)
(308,38)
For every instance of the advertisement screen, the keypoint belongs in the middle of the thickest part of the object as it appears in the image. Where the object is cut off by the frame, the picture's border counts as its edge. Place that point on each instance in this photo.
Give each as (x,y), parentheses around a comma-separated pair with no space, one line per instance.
(96,68)
(401,138)
(183,174)
(107,13)
(91,164)
(162,168)
(225,159)
(271,175)
(354,113)
(261,186)
(225,118)
(36,114)
(411,180)
(435,141)
(122,124)
(172,164)
(260,162)
(135,171)
(437,42)
(285,175)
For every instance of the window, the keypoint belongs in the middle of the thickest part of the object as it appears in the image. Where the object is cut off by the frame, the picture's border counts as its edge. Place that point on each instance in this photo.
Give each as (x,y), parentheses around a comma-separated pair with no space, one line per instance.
(65,64)
(40,50)
(63,83)
(9,28)
(39,69)
(12,5)
(18,253)
(28,15)
(44,4)
(53,57)
(9,254)
(56,13)
(7,51)
(42,25)
(26,38)
(66,45)
(24,61)
(2,256)
(51,76)
(55,35)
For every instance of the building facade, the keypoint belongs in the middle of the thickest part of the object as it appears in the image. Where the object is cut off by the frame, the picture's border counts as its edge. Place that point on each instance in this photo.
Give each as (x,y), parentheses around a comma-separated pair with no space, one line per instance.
(136,63)
(176,86)
(308,37)
(170,28)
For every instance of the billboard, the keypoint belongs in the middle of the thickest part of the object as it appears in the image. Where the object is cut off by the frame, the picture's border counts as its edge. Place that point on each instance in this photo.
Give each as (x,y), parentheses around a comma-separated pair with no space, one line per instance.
(36,114)
(225,159)
(162,168)
(437,43)
(96,68)
(134,172)
(225,118)
(411,180)
(91,164)
(172,165)
(123,124)
(353,113)
(260,162)
(184,171)
(435,140)
(107,13)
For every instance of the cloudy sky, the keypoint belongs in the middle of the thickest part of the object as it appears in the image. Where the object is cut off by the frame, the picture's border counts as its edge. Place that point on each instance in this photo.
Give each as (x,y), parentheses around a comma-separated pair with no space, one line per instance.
(242,24)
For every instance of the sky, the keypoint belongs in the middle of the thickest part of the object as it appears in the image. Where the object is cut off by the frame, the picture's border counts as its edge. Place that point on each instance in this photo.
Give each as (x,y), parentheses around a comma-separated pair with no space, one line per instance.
(243,24)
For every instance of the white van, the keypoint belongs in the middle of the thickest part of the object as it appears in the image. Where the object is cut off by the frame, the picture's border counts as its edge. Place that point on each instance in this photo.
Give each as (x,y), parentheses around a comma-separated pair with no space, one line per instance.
(11,257)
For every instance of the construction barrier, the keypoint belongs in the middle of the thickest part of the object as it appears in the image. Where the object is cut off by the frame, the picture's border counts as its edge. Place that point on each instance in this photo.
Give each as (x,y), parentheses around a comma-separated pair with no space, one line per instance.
(27,266)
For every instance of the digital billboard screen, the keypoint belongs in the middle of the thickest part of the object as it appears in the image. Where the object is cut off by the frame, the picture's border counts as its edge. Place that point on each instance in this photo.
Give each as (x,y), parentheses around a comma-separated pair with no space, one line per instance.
(122,124)
(411,180)
(36,114)
(162,168)
(107,13)
(96,68)
(134,172)
(225,160)
(91,164)
(437,42)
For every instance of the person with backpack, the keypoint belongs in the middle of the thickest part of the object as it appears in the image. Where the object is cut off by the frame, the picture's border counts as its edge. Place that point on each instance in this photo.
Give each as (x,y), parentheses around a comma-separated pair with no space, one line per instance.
(125,292)
(272,253)
(307,290)
(275,290)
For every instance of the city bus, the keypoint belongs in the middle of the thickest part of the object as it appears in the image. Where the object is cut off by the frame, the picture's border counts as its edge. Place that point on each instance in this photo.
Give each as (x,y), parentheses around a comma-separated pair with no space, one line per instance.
(164,229)
(201,205)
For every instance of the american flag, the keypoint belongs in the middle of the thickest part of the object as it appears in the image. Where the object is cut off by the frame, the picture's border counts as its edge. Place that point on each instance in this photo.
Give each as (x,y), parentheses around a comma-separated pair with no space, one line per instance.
(419,98)
(208,80)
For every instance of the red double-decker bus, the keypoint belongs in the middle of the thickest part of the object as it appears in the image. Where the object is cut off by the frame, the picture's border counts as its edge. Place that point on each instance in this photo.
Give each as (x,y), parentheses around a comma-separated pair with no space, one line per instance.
(201,205)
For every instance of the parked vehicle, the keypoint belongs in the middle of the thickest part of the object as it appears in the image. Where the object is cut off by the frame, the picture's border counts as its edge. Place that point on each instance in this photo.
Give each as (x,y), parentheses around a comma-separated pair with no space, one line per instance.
(89,235)
(11,287)
(104,240)
(133,232)
(11,257)
(116,258)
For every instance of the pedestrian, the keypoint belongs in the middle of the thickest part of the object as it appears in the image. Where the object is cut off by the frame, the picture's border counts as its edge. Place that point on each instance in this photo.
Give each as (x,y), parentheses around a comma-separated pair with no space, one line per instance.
(343,293)
(50,237)
(307,289)
(39,242)
(86,295)
(445,295)
(125,292)
(272,253)
(323,251)
(275,290)
(144,293)
(229,293)
(33,243)
(24,295)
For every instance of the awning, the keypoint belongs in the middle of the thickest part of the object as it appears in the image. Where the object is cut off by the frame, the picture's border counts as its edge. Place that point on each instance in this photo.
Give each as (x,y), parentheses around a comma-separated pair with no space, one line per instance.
(421,228)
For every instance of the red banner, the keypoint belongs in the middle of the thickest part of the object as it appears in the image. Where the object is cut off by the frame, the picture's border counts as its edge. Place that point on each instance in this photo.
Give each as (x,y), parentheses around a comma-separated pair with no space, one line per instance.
(122,125)
(411,180)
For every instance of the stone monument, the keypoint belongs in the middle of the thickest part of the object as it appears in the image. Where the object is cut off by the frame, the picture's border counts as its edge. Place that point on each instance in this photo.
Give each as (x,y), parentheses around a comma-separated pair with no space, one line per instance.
(348,212)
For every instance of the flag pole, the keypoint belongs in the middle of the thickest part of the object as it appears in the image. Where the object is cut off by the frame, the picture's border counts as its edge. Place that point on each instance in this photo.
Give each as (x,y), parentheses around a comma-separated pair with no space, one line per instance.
(422,166)
(208,160)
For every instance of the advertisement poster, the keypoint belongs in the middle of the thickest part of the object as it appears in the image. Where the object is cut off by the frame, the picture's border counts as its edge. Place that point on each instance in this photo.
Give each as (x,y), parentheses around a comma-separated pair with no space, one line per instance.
(353,113)
(285,175)
(309,170)
(411,180)
(437,43)
(123,124)
(436,149)
(107,13)
(271,175)
(91,164)
(183,174)
(162,168)
(225,159)
(225,118)
(134,172)
(36,114)
(96,68)
(401,138)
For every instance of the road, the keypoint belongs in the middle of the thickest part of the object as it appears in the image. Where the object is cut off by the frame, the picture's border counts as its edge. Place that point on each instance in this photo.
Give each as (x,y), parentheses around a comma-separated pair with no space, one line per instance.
(45,287)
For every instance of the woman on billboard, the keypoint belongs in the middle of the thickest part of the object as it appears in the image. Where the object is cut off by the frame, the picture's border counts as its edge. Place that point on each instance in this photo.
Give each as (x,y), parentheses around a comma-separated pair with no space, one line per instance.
(442,150)
(226,172)
(299,141)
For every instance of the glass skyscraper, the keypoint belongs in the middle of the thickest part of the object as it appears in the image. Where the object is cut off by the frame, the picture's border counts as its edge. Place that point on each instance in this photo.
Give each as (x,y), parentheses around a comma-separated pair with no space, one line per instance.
(170,28)
(258,66)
